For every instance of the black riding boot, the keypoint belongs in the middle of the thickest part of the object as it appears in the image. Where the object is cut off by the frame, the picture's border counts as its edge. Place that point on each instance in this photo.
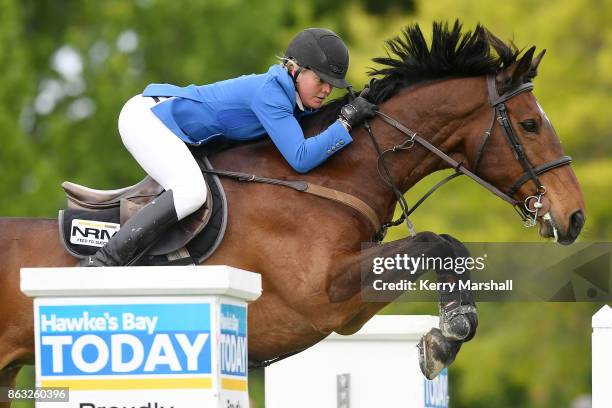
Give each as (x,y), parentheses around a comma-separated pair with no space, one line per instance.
(138,233)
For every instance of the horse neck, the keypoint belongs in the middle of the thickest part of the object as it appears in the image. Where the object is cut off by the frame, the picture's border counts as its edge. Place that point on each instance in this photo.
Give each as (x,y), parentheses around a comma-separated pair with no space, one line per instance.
(445,113)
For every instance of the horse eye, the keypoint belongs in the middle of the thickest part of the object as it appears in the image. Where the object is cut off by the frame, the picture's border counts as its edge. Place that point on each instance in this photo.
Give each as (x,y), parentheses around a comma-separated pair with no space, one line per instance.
(529,125)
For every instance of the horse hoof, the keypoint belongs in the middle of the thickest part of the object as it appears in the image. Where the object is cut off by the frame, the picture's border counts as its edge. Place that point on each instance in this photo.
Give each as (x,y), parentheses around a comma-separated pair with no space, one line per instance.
(436,352)
(459,324)
(457,328)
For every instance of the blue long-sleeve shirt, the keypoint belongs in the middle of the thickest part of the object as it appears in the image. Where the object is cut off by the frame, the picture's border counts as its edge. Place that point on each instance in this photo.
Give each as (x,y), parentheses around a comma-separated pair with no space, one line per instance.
(247,108)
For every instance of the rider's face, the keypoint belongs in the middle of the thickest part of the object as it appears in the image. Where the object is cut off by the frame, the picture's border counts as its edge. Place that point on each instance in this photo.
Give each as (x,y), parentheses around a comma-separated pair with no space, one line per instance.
(312,89)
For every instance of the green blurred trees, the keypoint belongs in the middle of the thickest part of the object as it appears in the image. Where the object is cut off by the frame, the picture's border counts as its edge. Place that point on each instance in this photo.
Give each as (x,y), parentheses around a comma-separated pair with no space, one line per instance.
(63,125)
(16,159)
(60,124)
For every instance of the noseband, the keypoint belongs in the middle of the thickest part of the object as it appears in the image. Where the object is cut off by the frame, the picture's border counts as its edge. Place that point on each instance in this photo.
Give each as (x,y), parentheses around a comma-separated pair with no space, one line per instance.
(528,209)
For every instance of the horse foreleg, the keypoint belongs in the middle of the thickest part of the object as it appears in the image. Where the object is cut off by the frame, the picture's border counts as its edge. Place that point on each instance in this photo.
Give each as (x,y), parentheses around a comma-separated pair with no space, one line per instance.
(458,319)
(458,315)
(352,281)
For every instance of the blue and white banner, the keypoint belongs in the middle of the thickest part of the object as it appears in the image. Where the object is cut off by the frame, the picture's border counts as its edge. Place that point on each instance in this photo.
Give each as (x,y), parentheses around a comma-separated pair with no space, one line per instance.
(436,391)
(233,342)
(124,339)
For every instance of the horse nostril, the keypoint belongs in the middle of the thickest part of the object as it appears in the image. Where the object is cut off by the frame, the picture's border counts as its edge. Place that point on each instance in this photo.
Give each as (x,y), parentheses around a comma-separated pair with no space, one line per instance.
(576,223)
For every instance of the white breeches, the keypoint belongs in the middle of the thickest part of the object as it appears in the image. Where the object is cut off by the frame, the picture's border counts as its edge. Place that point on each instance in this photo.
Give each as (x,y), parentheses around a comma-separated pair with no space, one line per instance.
(162,154)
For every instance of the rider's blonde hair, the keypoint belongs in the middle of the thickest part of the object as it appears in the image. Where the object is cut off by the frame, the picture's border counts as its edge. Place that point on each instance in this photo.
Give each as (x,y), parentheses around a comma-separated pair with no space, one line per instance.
(288,62)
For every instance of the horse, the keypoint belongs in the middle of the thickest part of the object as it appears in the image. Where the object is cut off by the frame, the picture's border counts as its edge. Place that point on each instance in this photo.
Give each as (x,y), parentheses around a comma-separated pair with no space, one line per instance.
(308,250)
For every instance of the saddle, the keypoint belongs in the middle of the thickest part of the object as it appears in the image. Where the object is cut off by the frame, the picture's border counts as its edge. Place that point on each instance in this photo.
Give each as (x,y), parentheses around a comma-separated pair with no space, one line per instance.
(92,216)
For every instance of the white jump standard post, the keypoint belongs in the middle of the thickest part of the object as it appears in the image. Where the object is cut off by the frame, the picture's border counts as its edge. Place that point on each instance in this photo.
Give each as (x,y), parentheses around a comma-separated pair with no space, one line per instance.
(151,337)
(375,367)
(602,357)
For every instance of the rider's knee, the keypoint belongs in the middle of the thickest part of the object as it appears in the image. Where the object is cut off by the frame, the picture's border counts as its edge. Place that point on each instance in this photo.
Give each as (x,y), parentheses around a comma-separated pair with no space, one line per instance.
(199,197)
(189,200)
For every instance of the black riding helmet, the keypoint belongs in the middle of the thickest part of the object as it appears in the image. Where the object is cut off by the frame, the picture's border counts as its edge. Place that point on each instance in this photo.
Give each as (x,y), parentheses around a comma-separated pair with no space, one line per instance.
(322,51)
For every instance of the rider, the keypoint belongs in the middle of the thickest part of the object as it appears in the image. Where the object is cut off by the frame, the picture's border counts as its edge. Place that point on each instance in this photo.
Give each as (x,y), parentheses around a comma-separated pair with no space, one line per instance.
(156,125)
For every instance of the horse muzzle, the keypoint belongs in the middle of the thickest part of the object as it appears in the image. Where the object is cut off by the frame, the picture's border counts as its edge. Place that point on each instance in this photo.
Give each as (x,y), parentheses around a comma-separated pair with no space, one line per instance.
(550,228)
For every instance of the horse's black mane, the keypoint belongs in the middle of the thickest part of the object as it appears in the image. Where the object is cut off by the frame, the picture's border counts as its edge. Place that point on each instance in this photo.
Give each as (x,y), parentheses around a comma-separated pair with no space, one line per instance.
(410,61)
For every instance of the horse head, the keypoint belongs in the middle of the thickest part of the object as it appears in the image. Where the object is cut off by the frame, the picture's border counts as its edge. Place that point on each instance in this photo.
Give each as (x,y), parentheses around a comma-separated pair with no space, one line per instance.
(522,155)
(478,108)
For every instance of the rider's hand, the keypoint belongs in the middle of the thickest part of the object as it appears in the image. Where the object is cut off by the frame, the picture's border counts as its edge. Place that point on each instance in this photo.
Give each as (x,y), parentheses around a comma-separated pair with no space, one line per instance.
(357,111)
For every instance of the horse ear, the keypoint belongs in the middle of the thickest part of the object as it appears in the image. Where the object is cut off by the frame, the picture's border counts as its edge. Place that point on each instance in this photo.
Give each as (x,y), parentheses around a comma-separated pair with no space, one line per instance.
(514,74)
(524,65)
(533,71)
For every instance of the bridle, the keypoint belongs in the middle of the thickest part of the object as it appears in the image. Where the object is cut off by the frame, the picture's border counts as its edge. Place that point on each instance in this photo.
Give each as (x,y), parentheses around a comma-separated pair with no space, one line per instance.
(528,209)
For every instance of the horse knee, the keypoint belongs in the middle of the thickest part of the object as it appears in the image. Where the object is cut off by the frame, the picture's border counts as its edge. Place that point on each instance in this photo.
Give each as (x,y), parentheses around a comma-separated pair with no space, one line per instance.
(458,247)
(442,244)
(427,236)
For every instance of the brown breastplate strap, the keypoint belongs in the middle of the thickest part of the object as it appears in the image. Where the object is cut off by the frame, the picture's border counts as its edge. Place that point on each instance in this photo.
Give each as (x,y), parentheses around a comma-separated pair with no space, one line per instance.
(305,187)
(346,199)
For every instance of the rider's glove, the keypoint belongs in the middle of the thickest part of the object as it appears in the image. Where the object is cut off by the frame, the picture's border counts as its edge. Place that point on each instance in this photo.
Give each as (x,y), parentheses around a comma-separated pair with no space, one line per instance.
(357,111)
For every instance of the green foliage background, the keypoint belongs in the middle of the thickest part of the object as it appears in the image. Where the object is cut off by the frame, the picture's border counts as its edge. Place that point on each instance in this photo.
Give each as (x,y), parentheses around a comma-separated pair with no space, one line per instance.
(525,355)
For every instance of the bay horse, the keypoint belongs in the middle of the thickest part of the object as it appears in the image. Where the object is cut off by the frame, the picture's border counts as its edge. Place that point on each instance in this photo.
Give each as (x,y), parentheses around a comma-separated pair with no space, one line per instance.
(309,250)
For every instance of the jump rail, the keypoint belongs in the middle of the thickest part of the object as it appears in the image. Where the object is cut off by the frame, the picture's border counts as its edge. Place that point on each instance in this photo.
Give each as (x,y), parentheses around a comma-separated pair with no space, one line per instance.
(602,357)
(376,367)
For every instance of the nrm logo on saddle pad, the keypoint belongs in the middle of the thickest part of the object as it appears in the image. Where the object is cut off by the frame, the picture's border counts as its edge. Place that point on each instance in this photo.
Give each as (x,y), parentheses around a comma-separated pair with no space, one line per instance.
(92,233)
